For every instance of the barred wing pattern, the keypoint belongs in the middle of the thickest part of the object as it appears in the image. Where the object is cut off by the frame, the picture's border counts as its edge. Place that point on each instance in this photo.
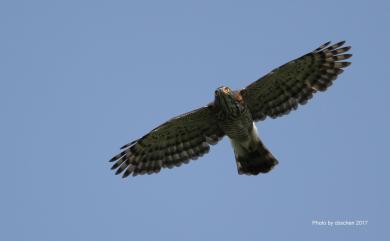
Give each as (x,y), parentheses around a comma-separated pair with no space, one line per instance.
(294,83)
(173,143)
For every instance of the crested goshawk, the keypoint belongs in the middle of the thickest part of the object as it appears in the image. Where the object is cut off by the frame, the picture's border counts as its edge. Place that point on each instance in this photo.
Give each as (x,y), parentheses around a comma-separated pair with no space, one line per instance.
(233,113)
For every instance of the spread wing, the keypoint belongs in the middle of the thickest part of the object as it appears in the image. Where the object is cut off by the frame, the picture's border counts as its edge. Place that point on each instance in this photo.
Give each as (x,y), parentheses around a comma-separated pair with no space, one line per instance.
(294,83)
(173,143)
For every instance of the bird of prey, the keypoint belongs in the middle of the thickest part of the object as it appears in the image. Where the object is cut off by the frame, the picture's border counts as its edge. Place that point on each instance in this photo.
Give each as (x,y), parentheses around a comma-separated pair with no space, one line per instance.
(234,113)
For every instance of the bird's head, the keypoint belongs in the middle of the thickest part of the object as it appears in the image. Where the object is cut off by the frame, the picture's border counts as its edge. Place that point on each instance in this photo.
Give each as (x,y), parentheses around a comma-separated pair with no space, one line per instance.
(227,100)
(223,90)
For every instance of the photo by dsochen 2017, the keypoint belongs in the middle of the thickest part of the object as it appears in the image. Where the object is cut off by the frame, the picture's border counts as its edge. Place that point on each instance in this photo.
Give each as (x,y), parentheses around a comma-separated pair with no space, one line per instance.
(233,113)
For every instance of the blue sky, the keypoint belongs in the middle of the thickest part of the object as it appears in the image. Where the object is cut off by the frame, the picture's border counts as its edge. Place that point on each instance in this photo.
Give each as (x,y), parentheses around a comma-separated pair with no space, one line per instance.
(81,78)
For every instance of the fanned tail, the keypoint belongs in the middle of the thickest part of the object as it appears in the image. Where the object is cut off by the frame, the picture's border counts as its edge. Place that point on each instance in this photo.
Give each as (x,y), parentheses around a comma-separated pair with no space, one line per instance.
(254,160)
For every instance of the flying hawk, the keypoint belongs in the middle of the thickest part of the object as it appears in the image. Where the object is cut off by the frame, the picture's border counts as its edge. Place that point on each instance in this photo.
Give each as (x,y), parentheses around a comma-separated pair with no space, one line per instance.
(233,113)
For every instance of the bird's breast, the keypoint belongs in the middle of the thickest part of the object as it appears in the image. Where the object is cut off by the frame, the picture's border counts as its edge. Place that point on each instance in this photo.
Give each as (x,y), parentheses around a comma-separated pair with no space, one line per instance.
(238,128)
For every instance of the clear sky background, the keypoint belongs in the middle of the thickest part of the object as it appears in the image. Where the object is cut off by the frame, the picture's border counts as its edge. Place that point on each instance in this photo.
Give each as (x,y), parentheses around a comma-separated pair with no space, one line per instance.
(81,78)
